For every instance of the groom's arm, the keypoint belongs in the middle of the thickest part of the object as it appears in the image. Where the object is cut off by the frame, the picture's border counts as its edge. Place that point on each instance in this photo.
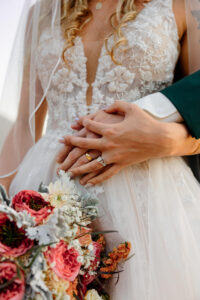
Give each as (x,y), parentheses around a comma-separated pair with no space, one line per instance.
(185,95)
(178,102)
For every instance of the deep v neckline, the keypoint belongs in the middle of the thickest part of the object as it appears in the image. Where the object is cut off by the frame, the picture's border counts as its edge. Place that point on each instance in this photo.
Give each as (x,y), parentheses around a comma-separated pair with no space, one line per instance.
(103,52)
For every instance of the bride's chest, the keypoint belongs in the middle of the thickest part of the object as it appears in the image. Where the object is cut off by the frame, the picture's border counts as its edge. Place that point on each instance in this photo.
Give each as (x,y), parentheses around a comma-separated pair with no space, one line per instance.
(144,66)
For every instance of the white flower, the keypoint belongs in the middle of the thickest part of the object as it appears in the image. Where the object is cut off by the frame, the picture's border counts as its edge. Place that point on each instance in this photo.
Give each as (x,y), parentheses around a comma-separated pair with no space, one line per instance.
(92,295)
(22,218)
(80,259)
(90,247)
(46,233)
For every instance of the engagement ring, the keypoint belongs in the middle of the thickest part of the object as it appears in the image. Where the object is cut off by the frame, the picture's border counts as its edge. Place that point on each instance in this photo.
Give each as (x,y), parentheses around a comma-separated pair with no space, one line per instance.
(101,161)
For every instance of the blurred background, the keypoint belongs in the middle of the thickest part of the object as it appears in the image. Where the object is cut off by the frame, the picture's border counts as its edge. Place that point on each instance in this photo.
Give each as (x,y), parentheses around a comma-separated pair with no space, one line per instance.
(10,11)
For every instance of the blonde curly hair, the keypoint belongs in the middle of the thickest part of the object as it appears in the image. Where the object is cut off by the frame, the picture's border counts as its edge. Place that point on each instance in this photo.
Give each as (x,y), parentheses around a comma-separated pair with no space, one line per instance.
(76,13)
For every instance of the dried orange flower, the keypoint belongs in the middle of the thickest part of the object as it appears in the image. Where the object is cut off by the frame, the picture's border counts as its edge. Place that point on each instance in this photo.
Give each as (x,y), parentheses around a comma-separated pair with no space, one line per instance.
(101,240)
(72,289)
(114,258)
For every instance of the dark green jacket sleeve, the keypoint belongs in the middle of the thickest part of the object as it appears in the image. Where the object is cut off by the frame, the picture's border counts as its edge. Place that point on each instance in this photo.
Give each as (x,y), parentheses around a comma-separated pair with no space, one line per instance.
(185,95)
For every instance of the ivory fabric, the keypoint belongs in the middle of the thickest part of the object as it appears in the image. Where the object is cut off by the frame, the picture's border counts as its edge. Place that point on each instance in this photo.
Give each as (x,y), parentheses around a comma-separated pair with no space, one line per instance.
(154,205)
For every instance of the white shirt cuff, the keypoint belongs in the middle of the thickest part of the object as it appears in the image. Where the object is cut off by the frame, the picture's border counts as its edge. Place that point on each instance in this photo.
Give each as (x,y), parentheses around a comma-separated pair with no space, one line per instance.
(160,107)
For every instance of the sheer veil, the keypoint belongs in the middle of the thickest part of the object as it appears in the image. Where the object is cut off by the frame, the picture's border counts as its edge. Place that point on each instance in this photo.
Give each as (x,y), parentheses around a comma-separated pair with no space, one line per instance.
(23,94)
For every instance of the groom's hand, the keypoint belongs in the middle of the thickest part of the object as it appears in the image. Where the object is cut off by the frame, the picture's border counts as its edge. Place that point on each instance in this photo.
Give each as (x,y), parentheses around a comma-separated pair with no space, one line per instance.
(137,138)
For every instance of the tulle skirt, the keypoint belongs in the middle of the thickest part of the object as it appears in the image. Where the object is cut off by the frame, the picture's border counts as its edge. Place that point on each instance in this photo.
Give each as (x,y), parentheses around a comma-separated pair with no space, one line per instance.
(154,205)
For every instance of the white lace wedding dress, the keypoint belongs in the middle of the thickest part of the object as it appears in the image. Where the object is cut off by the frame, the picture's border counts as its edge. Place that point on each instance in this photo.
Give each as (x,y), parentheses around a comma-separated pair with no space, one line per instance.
(155,205)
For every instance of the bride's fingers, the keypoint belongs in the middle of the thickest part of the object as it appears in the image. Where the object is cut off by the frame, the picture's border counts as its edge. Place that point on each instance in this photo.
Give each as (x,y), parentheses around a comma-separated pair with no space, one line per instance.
(87,177)
(87,168)
(78,124)
(105,175)
(88,117)
(71,159)
(67,147)
(84,159)
(63,153)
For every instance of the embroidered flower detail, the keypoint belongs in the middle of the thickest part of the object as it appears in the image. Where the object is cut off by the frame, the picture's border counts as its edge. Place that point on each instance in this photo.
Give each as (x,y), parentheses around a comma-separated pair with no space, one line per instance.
(64,80)
(105,62)
(120,78)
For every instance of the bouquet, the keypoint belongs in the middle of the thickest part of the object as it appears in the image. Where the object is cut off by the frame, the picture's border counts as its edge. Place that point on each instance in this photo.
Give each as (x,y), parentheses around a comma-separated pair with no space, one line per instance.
(48,249)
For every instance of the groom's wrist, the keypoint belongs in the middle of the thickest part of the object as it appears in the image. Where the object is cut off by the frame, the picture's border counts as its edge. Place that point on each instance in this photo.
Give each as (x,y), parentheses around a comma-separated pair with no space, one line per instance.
(177,141)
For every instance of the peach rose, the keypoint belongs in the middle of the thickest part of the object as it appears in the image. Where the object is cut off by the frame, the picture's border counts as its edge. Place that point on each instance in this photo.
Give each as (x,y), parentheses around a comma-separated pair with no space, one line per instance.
(15,290)
(13,240)
(33,203)
(63,261)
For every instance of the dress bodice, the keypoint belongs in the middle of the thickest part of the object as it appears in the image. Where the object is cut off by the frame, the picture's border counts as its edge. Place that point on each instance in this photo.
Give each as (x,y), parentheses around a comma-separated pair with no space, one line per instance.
(147,66)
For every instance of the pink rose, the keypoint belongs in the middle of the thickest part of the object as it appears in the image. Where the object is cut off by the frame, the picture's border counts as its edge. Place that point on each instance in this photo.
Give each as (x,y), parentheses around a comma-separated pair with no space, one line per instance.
(13,240)
(33,203)
(15,290)
(63,261)
(87,278)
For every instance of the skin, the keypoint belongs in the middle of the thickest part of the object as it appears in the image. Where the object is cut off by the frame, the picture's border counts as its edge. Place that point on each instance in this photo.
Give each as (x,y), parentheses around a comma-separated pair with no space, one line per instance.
(177,135)
(136,137)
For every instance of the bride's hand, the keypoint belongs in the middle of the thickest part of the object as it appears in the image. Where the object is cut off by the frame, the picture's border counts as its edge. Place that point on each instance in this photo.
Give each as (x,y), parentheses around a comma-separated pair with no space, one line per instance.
(72,157)
(137,138)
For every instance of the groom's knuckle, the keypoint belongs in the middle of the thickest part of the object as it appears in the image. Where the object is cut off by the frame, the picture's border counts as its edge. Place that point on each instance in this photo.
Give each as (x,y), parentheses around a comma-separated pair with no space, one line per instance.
(109,132)
(117,156)
(83,143)
(111,145)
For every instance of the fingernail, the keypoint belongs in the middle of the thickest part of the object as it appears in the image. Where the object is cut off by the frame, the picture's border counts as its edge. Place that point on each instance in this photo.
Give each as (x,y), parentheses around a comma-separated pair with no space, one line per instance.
(105,107)
(77,119)
(88,185)
(58,170)
(61,140)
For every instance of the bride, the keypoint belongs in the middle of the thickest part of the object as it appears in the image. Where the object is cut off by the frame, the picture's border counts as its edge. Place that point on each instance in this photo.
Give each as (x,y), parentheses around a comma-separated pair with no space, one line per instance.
(105,51)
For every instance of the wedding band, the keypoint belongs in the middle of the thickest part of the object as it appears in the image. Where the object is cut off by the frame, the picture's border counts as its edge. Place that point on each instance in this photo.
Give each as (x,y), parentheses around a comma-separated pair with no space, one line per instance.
(89,157)
(101,161)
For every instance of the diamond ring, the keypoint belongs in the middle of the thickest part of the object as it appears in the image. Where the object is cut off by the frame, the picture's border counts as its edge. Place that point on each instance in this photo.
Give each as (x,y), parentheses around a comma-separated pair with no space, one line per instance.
(101,161)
